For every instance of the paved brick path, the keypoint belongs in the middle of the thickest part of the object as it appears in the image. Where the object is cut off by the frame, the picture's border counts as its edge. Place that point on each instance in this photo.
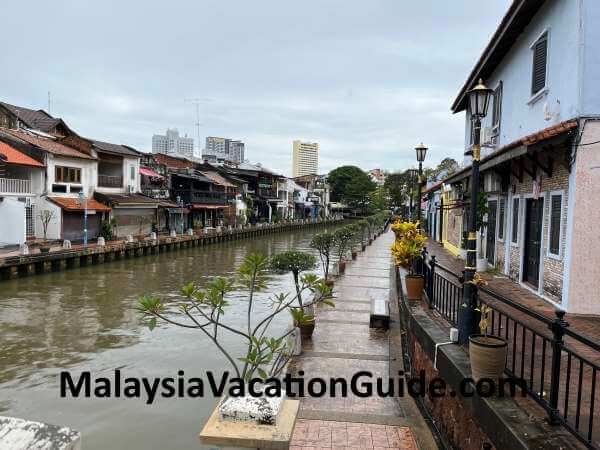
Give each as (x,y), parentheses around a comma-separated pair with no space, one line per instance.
(342,345)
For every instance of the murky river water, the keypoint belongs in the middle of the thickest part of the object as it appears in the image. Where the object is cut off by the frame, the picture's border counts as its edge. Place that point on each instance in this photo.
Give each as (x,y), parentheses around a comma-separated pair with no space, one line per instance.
(85,320)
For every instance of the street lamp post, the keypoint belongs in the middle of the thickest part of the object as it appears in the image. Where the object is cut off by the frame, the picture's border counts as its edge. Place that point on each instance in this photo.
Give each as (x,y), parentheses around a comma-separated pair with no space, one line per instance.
(413,174)
(479,100)
(83,201)
(421,153)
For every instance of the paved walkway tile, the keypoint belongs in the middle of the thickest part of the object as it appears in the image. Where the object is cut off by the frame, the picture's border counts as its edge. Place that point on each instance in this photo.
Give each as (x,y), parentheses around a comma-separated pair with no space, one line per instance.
(316,434)
(342,345)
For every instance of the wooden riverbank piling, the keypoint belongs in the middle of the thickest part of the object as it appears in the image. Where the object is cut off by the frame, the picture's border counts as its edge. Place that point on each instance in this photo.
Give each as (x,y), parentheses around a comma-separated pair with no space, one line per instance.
(69,258)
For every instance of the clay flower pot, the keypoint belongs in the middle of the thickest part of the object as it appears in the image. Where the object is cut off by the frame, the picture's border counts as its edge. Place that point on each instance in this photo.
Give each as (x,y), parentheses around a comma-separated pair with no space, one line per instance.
(488,356)
(341,267)
(329,282)
(354,255)
(414,286)
(307,328)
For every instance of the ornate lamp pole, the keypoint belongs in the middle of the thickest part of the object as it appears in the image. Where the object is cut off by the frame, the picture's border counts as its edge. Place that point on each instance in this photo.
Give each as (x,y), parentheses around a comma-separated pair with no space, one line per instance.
(421,153)
(83,201)
(479,100)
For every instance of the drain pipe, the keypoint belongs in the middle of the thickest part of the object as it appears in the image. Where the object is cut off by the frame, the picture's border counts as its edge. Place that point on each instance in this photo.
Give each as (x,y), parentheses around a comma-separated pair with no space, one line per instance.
(453,340)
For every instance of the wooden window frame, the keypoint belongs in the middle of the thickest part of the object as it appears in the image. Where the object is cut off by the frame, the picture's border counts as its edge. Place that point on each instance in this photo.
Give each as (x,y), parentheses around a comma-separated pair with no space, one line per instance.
(552,194)
(515,232)
(544,36)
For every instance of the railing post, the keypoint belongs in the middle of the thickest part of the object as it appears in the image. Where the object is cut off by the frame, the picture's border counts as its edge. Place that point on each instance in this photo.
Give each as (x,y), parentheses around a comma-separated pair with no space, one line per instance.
(558,331)
(432,263)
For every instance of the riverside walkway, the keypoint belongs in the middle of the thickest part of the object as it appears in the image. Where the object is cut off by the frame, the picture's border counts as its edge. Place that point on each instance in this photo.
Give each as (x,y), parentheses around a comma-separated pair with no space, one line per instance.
(342,345)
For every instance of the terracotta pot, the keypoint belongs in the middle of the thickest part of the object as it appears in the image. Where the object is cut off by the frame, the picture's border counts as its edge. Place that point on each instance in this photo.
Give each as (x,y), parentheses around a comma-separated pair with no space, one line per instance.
(370,241)
(329,282)
(363,247)
(306,329)
(487,355)
(414,286)
(341,267)
(354,255)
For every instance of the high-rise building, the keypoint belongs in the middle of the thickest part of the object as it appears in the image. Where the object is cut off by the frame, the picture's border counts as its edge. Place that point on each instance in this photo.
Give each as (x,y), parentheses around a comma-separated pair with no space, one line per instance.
(172,144)
(305,158)
(225,149)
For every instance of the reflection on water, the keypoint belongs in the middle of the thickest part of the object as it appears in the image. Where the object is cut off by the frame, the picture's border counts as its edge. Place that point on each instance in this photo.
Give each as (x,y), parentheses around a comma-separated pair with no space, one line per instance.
(85,319)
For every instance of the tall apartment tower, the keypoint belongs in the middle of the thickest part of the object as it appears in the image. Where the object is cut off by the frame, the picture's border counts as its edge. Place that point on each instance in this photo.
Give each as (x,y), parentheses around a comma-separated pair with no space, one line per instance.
(172,144)
(225,149)
(305,158)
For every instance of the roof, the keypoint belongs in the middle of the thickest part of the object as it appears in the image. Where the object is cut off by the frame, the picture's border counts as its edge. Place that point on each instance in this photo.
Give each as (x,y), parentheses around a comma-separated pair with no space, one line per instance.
(174,162)
(126,199)
(46,144)
(515,20)
(14,156)
(117,149)
(73,204)
(527,141)
(217,179)
(38,119)
(205,206)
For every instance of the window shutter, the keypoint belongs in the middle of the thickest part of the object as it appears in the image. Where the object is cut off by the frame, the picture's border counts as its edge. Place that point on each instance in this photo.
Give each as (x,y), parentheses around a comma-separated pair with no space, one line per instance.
(501,219)
(540,58)
(515,221)
(555,213)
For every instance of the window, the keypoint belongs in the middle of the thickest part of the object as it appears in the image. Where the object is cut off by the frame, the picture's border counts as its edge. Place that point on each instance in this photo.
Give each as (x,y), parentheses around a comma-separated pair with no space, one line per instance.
(67,174)
(501,219)
(515,221)
(132,172)
(497,109)
(540,61)
(555,224)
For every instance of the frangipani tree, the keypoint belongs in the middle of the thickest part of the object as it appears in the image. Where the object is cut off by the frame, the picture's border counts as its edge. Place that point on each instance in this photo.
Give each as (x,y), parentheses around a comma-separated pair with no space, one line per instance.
(203,309)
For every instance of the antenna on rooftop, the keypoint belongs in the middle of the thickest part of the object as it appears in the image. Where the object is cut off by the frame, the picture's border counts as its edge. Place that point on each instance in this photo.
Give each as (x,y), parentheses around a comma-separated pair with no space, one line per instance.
(48,102)
(197,102)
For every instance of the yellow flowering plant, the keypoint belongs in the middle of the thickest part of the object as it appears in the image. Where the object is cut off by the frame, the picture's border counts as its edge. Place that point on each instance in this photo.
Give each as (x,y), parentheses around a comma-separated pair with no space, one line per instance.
(408,245)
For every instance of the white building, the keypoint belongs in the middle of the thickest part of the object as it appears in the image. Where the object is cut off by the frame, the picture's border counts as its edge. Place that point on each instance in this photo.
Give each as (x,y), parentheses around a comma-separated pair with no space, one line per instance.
(219,149)
(173,144)
(305,158)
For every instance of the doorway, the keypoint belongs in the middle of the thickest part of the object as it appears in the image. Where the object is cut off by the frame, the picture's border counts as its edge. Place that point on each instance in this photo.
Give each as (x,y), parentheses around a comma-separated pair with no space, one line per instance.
(534,210)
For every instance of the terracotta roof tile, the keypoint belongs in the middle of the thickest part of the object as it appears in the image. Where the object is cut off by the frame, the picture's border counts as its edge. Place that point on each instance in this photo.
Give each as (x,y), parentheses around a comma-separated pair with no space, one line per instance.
(73,204)
(14,156)
(40,119)
(49,145)
(177,163)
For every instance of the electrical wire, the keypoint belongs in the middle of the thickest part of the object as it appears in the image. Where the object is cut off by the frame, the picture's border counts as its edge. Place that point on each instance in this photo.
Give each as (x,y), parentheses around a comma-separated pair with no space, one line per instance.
(588,143)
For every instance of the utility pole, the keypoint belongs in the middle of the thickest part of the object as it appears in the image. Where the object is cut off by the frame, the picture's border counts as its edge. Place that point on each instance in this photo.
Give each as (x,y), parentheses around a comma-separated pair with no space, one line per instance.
(49,102)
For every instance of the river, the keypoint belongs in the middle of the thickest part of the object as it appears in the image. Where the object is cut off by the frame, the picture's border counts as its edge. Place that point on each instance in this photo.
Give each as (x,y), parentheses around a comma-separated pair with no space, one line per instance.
(85,319)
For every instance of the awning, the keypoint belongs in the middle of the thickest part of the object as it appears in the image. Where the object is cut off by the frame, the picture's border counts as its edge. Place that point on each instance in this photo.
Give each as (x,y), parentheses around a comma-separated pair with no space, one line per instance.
(127,200)
(150,173)
(10,155)
(73,204)
(203,206)
(218,179)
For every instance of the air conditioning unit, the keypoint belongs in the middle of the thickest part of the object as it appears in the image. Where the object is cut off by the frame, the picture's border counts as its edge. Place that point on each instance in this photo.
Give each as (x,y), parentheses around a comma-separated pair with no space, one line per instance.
(492,182)
(488,137)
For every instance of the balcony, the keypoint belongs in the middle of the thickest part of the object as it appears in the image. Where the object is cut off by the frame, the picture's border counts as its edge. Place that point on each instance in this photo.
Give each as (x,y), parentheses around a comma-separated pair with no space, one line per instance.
(15,186)
(156,193)
(110,181)
(205,197)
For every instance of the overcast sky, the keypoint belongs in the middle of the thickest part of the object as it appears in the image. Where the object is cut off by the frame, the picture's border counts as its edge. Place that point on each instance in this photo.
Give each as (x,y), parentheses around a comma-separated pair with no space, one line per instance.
(366,79)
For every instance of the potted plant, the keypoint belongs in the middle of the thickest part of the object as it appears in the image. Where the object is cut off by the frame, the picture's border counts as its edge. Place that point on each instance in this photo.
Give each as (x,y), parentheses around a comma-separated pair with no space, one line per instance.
(343,237)
(487,353)
(107,229)
(297,262)
(363,227)
(407,247)
(45,217)
(324,244)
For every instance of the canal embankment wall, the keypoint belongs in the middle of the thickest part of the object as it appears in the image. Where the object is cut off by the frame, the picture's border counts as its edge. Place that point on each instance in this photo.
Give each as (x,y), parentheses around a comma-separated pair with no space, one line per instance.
(64,259)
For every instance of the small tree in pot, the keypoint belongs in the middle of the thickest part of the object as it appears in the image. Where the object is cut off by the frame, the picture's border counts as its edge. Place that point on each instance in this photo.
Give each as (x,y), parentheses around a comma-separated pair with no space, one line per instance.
(343,239)
(324,244)
(45,217)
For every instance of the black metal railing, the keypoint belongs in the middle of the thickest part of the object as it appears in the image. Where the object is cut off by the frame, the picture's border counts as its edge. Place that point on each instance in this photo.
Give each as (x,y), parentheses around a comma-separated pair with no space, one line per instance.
(558,364)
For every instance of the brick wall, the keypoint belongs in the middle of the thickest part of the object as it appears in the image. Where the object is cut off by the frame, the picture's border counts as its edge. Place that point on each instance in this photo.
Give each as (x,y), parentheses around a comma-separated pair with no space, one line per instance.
(552,278)
(453,420)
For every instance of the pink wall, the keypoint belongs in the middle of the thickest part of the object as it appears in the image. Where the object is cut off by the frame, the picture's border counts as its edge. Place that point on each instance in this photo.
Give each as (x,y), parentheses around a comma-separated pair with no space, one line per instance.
(584,276)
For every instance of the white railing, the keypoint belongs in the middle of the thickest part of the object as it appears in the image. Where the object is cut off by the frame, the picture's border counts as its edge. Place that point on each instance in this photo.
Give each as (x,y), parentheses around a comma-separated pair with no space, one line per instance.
(15,186)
